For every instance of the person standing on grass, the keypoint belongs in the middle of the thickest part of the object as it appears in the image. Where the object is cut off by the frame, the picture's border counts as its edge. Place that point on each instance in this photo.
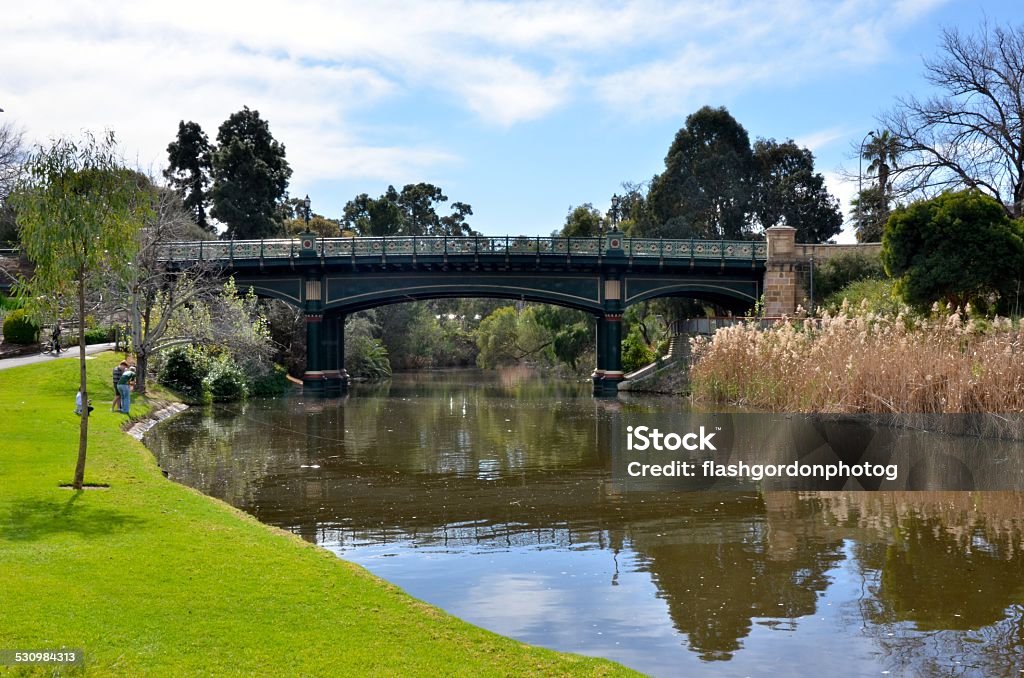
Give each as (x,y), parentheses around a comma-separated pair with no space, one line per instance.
(124,388)
(118,371)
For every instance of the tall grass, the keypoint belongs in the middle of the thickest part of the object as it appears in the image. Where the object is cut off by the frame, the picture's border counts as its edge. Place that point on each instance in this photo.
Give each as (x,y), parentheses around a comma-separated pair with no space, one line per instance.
(865,362)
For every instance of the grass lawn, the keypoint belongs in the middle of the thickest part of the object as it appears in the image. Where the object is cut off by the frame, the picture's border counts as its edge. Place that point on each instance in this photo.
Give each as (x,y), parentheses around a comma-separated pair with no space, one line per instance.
(152,578)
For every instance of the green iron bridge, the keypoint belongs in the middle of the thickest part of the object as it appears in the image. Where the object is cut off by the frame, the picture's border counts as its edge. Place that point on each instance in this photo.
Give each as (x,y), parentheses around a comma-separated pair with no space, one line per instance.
(329,278)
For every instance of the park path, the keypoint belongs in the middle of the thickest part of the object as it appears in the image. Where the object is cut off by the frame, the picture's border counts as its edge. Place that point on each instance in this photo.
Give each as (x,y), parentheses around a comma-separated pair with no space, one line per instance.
(43,357)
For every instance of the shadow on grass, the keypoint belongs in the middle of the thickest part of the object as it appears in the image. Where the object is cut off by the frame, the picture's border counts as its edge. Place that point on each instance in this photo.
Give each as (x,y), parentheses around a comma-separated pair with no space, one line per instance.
(34,519)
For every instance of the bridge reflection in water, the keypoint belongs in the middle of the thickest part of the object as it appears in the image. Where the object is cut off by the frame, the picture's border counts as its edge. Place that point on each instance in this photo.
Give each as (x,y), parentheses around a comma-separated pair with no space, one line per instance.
(497,502)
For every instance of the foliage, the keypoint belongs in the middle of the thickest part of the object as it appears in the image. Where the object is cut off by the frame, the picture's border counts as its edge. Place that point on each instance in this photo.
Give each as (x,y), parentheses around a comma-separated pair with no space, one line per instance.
(789,192)
(190,162)
(96,335)
(705,190)
(715,185)
(864,362)
(411,212)
(184,369)
(79,214)
(959,248)
(583,221)
(496,338)
(840,270)
(250,177)
(19,328)
(970,133)
(869,295)
(366,357)
(572,342)
(225,381)
(273,383)
(870,214)
(635,351)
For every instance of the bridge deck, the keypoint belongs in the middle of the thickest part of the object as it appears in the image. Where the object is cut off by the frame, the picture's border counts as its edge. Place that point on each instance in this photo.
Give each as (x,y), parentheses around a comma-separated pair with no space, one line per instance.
(476,246)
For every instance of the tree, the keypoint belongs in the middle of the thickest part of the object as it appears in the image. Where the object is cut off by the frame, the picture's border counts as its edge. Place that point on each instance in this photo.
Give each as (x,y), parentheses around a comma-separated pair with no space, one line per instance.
(190,162)
(12,159)
(706,188)
(250,177)
(159,300)
(79,214)
(789,191)
(958,248)
(411,212)
(870,214)
(970,135)
(583,221)
(882,152)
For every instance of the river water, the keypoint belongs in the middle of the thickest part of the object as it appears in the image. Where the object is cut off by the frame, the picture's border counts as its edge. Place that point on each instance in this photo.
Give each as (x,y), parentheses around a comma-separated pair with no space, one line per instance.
(491,495)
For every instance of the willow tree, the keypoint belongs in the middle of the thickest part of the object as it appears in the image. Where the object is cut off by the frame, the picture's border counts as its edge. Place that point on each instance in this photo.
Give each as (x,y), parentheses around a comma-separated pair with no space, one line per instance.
(79,214)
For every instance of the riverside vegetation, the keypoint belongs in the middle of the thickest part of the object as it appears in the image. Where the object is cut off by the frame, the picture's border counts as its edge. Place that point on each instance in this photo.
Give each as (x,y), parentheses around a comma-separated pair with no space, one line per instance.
(149,577)
(860,361)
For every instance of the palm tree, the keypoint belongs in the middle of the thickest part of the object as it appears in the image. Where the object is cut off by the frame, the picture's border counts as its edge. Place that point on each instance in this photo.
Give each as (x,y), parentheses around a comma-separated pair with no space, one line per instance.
(882,151)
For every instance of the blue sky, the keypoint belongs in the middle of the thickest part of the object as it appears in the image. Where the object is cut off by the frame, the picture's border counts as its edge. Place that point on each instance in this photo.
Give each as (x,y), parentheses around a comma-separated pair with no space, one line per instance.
(522,109)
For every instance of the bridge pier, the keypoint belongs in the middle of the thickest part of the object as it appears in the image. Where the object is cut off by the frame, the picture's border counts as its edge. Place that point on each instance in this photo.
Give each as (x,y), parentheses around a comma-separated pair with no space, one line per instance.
(611,348)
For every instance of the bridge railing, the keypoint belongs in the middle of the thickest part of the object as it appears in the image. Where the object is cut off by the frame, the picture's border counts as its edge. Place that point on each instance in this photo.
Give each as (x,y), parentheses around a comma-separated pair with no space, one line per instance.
(230,250)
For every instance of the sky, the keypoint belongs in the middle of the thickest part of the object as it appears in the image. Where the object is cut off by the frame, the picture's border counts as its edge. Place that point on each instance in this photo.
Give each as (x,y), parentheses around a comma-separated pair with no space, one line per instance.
(521,109)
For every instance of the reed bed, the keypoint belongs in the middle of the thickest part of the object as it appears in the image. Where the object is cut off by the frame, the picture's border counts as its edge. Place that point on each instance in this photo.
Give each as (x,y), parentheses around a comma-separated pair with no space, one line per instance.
(861,362)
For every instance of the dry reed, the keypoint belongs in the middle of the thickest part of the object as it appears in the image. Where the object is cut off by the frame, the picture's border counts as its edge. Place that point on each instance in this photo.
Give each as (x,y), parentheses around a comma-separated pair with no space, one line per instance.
(857,362)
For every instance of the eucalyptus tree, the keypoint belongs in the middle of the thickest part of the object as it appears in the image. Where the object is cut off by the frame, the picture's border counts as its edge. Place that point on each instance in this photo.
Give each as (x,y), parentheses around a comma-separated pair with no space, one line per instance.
(79,215)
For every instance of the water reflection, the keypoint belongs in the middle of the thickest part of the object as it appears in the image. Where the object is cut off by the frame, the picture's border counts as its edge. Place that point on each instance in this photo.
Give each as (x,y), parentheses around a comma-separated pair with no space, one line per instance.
(493,498)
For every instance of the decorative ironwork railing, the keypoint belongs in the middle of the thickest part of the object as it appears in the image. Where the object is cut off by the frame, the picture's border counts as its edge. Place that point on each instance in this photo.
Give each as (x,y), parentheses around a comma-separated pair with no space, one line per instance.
(332,248)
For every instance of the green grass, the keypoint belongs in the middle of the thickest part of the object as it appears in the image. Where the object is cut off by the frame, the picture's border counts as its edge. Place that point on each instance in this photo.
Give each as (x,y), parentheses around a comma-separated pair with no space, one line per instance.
(152,578)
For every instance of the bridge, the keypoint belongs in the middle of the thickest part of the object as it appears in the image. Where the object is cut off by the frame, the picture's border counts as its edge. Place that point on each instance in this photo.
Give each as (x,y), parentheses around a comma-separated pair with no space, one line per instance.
(329,278)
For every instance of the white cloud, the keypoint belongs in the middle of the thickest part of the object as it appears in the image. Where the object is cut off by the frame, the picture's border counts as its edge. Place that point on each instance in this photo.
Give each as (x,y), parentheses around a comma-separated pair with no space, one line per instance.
(319,71)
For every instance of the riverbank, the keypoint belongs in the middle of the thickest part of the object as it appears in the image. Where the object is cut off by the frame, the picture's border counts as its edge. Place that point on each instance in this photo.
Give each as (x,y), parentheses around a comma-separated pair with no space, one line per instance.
(150,577)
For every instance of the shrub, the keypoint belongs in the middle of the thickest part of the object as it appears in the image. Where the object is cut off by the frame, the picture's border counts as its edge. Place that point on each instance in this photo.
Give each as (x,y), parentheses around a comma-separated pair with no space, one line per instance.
(271,384)
(225,381)
(96,335)
(868,296)
(840,271)
(184,370)
(635,351)
(367,358)
(19,328)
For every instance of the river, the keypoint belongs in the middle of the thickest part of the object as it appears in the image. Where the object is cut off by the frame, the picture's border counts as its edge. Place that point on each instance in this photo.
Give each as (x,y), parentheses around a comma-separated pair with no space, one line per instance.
(492,496)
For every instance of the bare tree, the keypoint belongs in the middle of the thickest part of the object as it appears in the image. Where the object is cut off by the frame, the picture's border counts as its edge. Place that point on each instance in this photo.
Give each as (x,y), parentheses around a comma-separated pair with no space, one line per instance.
(971,134)
(12,161)
(157,297)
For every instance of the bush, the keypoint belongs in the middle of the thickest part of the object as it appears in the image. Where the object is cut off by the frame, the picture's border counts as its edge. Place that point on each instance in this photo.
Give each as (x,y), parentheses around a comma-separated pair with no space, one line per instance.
(367,358)
(270,385)
(185,368)
(635,351)
(97,335)
(225,381)
(19,328)
(841,270)
(873,296)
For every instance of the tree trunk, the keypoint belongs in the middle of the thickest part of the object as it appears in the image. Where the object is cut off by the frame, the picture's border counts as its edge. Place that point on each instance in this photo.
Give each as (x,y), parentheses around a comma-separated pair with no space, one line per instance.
(83,431)
(141,364)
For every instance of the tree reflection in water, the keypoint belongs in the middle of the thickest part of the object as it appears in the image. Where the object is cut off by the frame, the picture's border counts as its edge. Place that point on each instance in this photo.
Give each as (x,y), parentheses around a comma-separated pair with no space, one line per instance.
(458,464)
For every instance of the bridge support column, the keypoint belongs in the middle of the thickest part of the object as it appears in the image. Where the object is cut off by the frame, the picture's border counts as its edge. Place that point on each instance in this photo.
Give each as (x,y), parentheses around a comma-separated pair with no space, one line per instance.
(313,378)
(613,374)
(601,332)
(332,355)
